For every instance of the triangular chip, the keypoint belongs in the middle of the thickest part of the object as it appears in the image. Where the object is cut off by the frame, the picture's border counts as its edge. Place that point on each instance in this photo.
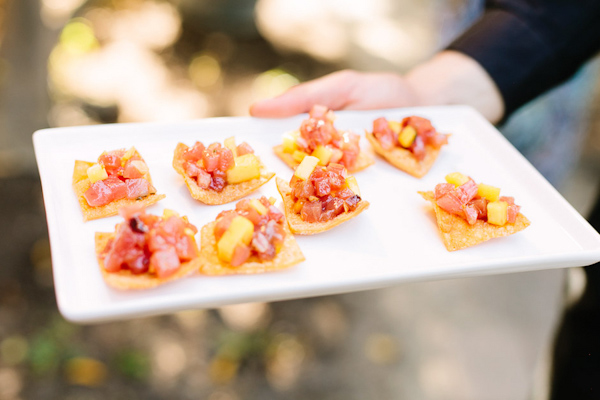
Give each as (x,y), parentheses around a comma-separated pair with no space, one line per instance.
(81,184)
(404,159)
(364,160)
(230,192)
(301,227)
(125,280)
(210,264)
(457,234)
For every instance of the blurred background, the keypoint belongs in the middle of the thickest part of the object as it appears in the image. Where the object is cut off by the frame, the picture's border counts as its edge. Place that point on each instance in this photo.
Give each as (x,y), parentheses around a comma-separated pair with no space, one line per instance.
(78,62)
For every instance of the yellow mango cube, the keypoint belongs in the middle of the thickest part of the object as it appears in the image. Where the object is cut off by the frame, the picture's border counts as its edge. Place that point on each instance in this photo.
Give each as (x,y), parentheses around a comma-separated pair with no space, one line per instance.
(96,173)
(353,185)
(306,167)
(395,126)
(407,136)
(298,155)
(230,144)
(497,212)
(258,206)
(168,213)
(489,192)
(246,167)
(128,154)
(240,231)
(272,200)
(456,178)
(323,154)
(80,170)
(289,141)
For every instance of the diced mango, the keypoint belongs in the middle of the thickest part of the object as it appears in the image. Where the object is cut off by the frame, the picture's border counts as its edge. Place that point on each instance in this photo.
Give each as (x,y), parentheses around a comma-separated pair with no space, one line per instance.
(258,206)
(407,136)
(298,156)
(140,166)
(289,141)
(96,173)
(353,185)
(128,154)
(230,144)
(246,167)
(189,232)
(80,170)
(167,213)
(272,200)
(240,231)
(395,126)
(456,178)
(497,212)
(323,154)
(489,192)
(306,167)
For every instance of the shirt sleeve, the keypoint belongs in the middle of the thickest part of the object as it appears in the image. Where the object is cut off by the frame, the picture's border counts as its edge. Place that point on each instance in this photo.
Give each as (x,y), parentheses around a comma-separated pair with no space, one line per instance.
(529,46)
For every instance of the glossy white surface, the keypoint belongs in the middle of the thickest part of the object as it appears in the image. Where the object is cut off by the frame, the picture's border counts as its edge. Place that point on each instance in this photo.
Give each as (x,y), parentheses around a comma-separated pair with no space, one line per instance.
(394,241)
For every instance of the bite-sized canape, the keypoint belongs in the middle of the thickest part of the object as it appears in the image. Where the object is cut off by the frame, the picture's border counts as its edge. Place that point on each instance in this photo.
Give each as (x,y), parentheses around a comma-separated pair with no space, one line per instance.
(251,239)
(319,137)
(147,250)
(119,178)
(318,198)
(468,213)
(219,174)
(411,145)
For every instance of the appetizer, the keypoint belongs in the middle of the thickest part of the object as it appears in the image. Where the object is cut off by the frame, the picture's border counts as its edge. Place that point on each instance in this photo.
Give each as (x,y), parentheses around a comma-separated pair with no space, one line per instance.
(220,174)
(468,213)
(251,239)
(119,178)
(147,250)
(411,145)
(319,198)
(318,137)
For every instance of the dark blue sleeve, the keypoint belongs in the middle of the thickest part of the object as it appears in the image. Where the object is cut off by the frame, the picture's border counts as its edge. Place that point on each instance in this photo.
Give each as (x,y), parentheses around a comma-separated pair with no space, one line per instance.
(529,46)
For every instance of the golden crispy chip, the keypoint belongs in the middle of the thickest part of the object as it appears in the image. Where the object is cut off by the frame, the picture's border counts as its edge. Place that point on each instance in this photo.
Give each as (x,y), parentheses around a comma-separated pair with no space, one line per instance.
(404,159)
(80,186)
(289,255)
(364,160)
(125,280)
(457,233)
(229,193)
(301,227)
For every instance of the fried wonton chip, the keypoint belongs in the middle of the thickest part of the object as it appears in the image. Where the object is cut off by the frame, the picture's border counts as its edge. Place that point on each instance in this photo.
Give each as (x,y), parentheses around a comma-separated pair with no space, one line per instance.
(301,227)
(404,159)
(457,233)
(230,192)
(210,264)
(81,184)
(125,280)
(364,160)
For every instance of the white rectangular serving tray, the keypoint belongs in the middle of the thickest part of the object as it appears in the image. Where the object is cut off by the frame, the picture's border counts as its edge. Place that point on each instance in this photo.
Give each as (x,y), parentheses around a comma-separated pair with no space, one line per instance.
(394,241)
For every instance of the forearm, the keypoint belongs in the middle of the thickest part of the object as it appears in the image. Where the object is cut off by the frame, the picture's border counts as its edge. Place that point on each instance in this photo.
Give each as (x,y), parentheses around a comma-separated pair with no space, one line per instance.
(451,77)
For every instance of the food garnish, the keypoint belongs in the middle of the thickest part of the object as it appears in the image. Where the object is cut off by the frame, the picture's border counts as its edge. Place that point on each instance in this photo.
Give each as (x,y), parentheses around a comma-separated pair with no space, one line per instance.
(319,137)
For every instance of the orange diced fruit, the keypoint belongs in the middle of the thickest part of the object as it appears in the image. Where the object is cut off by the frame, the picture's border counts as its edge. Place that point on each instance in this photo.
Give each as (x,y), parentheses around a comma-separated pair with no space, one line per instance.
(298,155)
(456,178)
(246,167)
(353,185)
(323,154)
(497,212)
(96,173)
(259,207)
(80,170)
(407,136)
(230,144)
(395,126)
(489,192)
(289,142)
(272,200)
(306,167)
(240,231)
(128,154)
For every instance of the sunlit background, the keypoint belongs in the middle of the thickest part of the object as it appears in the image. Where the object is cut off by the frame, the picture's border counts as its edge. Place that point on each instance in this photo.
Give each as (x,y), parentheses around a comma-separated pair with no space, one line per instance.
(77,62)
